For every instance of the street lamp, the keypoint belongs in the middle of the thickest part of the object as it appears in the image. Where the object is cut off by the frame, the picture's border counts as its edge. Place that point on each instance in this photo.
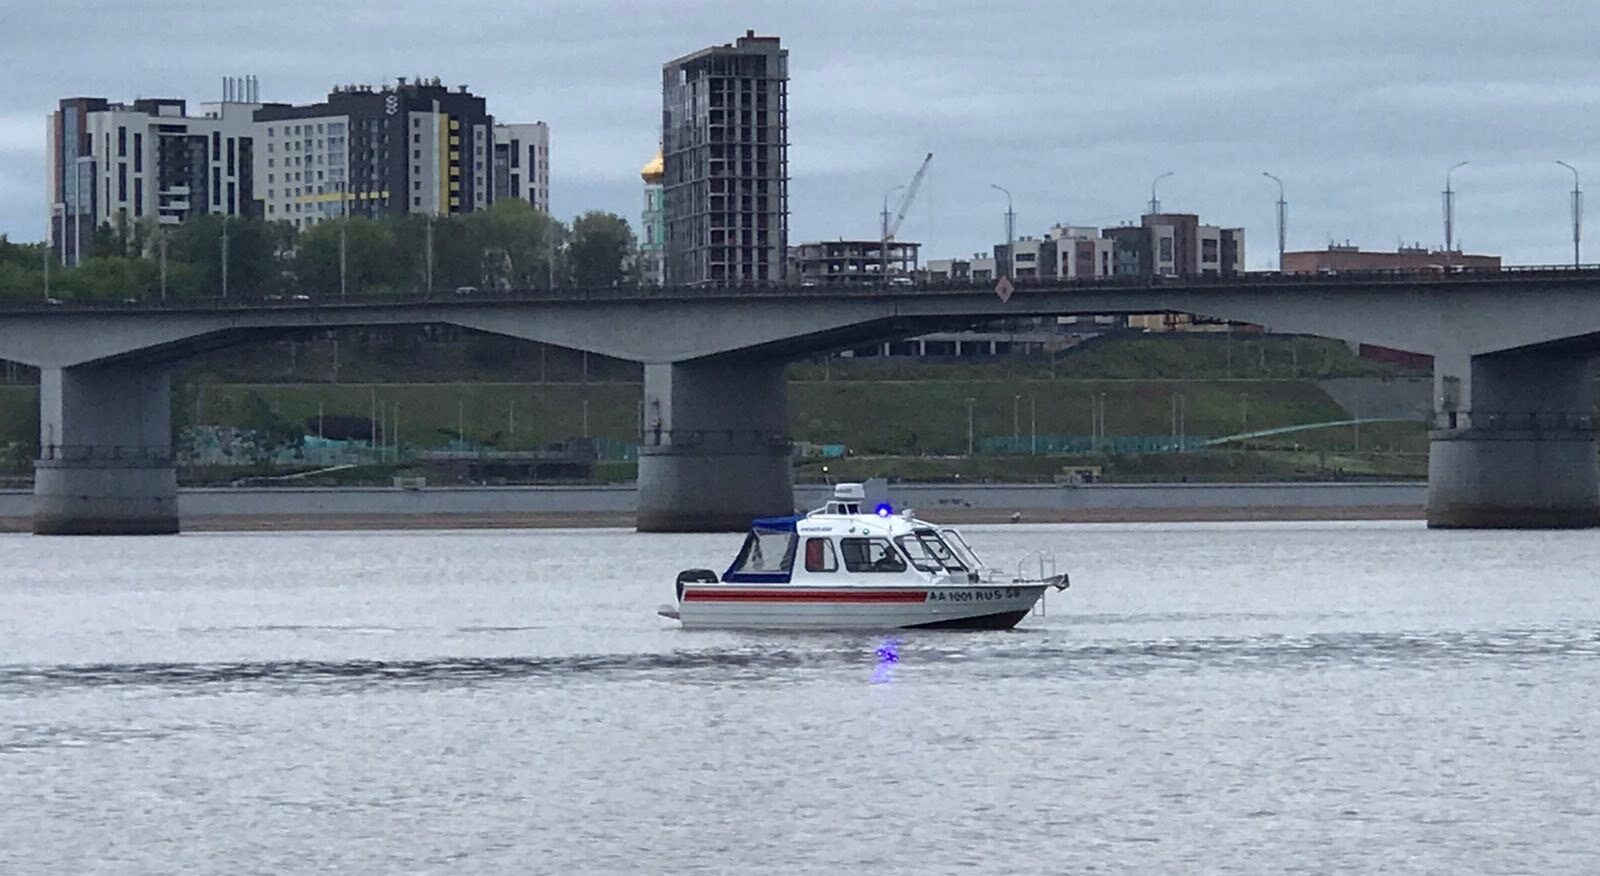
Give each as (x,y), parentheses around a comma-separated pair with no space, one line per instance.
(77,204)
(1450,211)
(224,256)
(56,209)
(969,426)
(1577,211)
(883,243)
(1011,228)
(1155,205)
(1283,217)
(344,220)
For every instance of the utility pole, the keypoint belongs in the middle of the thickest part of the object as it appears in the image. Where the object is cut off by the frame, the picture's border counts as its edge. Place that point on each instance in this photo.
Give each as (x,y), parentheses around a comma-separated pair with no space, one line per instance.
(1577,212)
(1011,233)
(1033,425)
(77,206)
(224,256)
(161,257)
(883,237)
(1450,213)
(1283,217)
(433,156)
(969,426)
(344,220)
(1155,203)
(1016,423)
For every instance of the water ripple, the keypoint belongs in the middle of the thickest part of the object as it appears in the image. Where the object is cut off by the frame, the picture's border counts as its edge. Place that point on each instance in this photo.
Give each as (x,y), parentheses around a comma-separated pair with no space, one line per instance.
(993,654)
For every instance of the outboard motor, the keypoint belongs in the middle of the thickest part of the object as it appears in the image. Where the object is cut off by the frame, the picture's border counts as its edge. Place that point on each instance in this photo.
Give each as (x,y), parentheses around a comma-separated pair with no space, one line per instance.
(695,576)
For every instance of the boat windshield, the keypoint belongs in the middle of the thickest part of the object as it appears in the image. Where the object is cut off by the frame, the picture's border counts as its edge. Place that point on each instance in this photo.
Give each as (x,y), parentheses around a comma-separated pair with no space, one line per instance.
(928,552)
(767,555)
(963,550)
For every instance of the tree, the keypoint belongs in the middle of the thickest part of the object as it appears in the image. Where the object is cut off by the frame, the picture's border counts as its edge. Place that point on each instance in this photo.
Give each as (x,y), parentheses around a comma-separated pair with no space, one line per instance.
(601,251)
(516,244)
(372,263)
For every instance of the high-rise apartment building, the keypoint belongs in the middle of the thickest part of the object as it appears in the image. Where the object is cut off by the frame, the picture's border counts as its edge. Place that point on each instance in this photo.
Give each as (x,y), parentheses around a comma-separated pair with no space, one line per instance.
(725,149)
(522,163)
(124,163)
(413,147)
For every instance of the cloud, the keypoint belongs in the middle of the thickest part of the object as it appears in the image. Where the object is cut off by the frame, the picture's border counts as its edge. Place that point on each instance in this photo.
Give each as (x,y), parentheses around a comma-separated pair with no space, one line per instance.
(1359,106)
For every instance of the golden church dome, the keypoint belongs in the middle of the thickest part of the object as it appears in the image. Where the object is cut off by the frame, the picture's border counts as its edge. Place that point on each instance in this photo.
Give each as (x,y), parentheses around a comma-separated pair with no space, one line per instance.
(654,170)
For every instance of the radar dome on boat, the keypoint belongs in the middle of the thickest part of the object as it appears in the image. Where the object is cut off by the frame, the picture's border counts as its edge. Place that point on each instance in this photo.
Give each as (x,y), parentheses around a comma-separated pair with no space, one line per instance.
(850,492)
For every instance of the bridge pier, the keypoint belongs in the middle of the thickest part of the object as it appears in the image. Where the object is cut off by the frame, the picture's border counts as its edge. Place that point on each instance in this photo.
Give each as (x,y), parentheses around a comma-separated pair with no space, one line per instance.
(1513,445)
(105,462)
(715,451)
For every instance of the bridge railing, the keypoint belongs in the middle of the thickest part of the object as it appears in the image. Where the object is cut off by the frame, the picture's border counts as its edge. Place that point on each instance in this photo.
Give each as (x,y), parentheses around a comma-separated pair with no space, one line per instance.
(1516,421)
(905,288)
(107,454)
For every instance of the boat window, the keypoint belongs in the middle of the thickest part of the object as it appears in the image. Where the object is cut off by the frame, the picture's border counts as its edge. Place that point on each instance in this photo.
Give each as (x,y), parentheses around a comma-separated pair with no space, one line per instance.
(765,552)
(963,550)
(929,553)
(820,556)
(870,555)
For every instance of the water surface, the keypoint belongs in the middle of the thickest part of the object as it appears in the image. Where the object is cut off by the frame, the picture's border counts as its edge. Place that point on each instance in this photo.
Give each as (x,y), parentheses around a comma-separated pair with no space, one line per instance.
(1207,698)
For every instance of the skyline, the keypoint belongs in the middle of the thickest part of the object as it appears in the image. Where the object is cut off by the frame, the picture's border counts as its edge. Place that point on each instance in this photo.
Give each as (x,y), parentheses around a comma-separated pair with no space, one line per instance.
(1361,113)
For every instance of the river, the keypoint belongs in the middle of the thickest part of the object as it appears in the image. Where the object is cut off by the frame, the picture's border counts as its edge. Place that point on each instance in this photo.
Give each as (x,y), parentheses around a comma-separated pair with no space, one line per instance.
(1250,698)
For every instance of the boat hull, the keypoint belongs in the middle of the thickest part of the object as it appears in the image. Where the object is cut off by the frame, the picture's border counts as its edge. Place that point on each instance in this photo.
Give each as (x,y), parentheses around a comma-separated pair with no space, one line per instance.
(787,607)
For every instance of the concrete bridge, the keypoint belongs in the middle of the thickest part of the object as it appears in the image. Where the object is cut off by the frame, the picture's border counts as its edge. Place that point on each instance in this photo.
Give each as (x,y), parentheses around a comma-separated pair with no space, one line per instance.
(1513,442)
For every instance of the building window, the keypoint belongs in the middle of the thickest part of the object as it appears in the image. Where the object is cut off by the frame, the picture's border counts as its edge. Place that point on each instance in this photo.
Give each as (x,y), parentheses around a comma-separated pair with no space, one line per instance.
(138,151)
(138,195)
(216,145)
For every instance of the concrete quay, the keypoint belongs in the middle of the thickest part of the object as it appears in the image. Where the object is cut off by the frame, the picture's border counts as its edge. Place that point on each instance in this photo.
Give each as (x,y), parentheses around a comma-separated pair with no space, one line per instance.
(293,508)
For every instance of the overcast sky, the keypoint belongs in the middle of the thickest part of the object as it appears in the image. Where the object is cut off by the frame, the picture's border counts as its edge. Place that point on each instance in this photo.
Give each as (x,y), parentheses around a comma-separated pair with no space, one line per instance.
(1359,106)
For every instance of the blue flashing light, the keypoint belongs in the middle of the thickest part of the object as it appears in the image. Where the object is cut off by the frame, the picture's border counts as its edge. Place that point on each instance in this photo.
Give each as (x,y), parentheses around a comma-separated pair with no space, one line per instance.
(884,510)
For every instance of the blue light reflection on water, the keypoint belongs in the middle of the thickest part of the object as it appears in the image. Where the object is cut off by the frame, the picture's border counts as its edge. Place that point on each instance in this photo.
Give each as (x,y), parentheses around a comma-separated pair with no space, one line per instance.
(888,655)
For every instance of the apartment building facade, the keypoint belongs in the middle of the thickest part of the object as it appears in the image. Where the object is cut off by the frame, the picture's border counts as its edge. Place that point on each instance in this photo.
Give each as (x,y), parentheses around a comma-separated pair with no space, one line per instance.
(725,150)
(411,147)
(149,160)
(522,163)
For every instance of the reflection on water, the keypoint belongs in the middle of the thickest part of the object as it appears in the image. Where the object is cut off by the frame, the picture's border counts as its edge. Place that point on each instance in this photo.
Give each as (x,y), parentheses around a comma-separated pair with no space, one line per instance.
(1206,698)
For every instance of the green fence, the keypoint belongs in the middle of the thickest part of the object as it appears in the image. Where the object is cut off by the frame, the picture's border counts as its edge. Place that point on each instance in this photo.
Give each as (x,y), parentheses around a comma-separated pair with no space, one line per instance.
(1024,445)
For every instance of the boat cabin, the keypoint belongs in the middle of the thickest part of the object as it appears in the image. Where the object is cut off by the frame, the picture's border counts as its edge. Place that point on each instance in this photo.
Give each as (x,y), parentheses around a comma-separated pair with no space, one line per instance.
(839,544)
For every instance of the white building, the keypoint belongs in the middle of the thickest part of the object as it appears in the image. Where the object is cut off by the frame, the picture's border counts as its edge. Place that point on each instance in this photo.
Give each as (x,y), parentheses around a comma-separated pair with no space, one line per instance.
(303,165)
(522,163)
(121,164)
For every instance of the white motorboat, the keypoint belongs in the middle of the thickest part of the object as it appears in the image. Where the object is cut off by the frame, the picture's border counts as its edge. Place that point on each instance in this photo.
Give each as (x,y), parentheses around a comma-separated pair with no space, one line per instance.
(841,567)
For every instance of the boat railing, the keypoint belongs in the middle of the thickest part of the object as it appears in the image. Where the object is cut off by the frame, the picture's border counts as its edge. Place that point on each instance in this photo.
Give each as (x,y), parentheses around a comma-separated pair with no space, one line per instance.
(1042,561)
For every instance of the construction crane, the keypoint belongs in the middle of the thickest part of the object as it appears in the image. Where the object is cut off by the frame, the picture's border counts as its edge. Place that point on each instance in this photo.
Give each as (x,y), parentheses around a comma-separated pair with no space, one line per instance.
(891,226)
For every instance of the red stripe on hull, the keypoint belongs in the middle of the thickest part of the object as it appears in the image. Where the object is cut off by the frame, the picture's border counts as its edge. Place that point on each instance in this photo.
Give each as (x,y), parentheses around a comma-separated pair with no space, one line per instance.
(818,596)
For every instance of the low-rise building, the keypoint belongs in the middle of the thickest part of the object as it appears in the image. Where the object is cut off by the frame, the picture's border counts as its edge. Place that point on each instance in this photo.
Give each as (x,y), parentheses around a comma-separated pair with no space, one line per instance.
(829,262)
(1344,257)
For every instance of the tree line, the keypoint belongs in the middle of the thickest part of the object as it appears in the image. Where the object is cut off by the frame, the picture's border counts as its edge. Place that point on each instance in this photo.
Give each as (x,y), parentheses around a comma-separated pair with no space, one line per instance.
(510,245)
